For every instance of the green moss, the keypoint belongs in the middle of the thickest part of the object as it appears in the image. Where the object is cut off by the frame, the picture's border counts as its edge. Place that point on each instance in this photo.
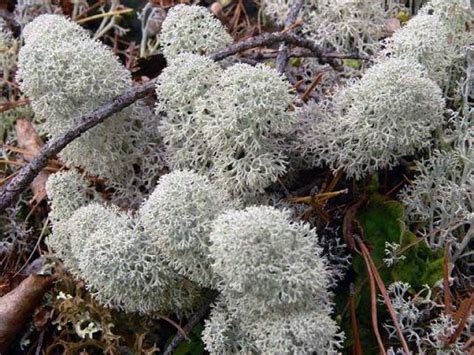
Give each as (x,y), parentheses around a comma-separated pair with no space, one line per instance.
(353,63)
(382,221)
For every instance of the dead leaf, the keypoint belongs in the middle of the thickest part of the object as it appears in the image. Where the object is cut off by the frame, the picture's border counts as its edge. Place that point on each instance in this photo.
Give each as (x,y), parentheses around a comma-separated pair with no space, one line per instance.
(17,306)
(30,141)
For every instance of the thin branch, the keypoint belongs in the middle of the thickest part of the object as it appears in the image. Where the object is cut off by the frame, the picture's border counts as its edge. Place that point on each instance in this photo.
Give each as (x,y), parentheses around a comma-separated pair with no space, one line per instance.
(378,279)
(282,57)
(305,53)
(268,39)
(28,172)
(373,305)
(178,338)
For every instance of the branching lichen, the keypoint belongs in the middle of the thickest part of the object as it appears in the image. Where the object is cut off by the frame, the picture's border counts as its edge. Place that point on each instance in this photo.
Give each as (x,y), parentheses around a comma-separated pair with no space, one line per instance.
(387,114)
(67,191)
(66,74)
(425,38)
(177,218)
(243,119)
(274,285)
(122,267)
(186,79)
(192,29)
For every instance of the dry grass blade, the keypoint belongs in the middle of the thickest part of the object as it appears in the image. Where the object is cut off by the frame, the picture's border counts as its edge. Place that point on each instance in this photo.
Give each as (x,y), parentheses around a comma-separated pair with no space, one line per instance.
(461,317)
(384,293)
(373,303)
(357,347)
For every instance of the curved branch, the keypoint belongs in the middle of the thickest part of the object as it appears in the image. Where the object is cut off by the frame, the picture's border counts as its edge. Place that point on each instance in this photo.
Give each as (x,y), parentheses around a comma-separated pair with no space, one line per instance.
(29,171)
(268,39)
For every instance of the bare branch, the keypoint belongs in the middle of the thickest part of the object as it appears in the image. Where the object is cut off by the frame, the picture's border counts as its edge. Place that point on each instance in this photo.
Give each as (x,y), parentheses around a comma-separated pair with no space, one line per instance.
(29,171)
(268,39)
(282,57)
(303,53)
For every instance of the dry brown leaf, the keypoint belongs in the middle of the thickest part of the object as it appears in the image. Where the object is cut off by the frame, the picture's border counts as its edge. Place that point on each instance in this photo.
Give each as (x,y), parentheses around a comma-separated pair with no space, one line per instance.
(30,141)
(17,307)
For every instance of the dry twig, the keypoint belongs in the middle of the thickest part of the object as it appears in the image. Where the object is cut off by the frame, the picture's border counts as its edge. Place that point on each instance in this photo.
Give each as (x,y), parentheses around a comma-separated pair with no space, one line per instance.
(282,57)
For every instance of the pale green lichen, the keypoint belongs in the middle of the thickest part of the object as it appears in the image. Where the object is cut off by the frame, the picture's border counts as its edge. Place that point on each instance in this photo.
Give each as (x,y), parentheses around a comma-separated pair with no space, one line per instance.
(192,29)
(425,39)
(67,74)
(177,218)
(274,286)
(387,114)
(179,87)
(244,118)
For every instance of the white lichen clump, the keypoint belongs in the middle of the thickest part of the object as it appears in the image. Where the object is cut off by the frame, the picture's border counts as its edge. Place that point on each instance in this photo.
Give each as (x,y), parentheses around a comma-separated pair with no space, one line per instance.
(186,79)
(67,74)
(347,25)
(67,191)
(122,267)
(425,39)
(274,285)
(387,114)
(192,29)
(260,254)
(177,217)
(457,15)
(244,118)
(439,200)
(27,10)
(278,10)
(342,25)
(411,313)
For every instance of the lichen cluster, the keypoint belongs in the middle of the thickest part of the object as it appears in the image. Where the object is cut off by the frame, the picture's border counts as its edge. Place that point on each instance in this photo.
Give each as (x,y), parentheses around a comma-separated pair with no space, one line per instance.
(230,137)
(228,123)
(265,265)
(274,285)
(387,114)
(121,265)
(59,67)
(178,217)
(192,29)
